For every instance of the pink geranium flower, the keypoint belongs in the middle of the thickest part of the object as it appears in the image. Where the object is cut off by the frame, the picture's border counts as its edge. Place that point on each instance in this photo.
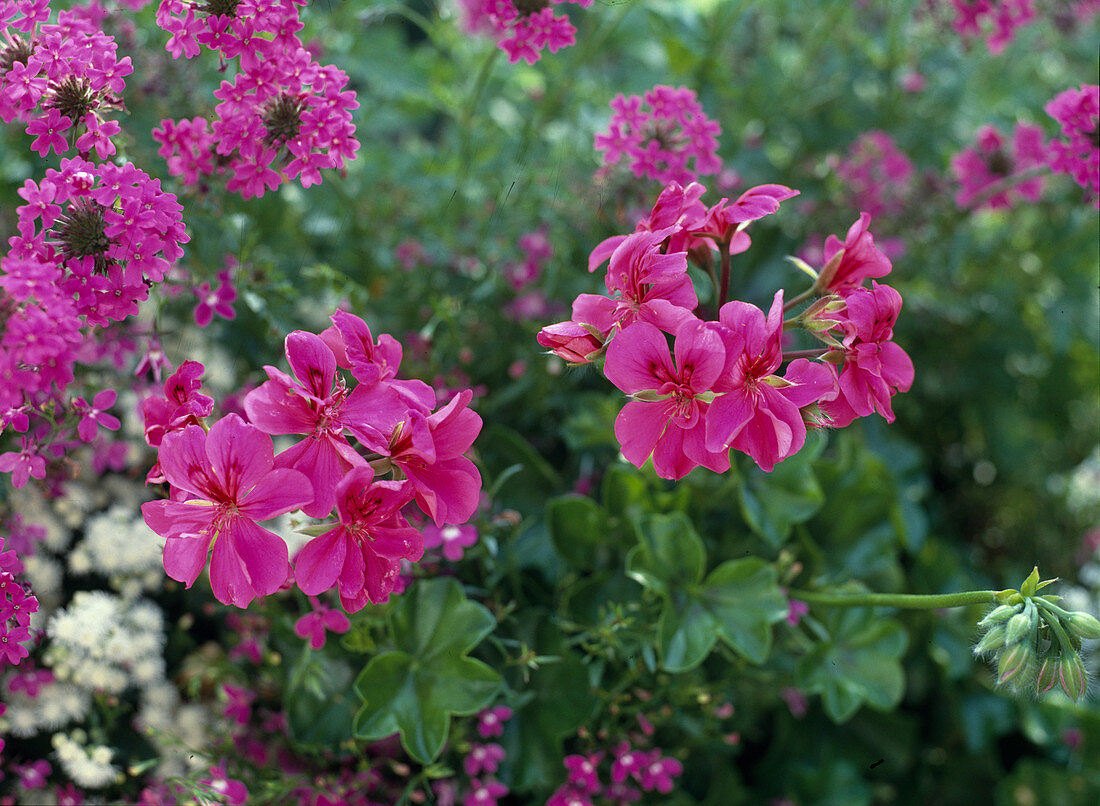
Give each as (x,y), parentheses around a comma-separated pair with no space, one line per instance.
(229,480)
(858,258)
(757,412)
(875,369)
(362,555)
(667,417)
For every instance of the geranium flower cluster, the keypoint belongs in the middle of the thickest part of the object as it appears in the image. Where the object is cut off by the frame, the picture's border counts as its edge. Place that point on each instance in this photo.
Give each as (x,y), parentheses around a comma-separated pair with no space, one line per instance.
(989,161)
(649,769)
(664,135)
(60,79)
(877,175)
(1078,152)
(719,386)
(282,117)
(227,479)
(522,27)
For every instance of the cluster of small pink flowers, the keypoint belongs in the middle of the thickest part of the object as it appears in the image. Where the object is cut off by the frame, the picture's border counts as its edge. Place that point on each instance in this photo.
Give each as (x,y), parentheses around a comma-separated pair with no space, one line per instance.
(530,302)
(995,20)
(225,480)
(100,233)
(320,621)
(60,79)
(877,175)
(719,387)
(649,769)
(284,116)
(664,135)
(1078,152)
(16,607)
(522,27)
(483,759)
(989,161)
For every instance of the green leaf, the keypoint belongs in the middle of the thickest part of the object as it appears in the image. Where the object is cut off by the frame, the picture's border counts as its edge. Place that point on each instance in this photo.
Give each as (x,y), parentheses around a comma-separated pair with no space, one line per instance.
(525,489)
(318,704)
(414,689)
(745,598)
(624,491)
(669,554)
(578,528)
(738,603)
(859,664)
(772,503)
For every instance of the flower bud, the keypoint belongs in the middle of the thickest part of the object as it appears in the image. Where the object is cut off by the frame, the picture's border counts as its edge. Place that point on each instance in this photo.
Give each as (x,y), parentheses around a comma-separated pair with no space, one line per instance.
(994,639)
(1031,584)
(1072,677)
(1083,625)
(1013,667)
(1018,626)
(1047,678)
(998,615)
(571,341)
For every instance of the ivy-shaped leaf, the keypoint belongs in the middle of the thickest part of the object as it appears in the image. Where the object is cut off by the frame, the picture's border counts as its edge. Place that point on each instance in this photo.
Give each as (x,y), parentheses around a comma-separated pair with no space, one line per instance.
(738,603)
(669,555)
(860,663)
(414,689)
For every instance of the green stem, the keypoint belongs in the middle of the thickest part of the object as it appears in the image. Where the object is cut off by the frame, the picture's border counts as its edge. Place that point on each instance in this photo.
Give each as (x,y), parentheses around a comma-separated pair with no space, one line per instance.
(1007,183)
(724,285)
(816,352)
(909,601)
(809,292)
(469,109)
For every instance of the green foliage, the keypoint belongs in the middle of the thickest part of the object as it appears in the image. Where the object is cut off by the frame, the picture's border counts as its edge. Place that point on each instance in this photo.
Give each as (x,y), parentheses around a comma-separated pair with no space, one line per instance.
(416,687)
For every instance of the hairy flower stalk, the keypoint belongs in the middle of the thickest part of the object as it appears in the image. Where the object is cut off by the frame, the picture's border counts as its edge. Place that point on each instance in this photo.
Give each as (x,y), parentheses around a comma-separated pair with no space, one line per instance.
(1035,643)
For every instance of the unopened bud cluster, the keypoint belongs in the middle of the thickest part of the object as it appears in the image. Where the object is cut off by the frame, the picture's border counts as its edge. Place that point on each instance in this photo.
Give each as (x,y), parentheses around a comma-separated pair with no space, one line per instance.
(1035,643)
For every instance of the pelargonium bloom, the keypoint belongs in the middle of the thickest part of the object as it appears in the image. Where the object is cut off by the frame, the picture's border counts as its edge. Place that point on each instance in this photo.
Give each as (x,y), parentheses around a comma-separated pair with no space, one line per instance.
(667,421)
(230,482)
(756,411)
(875,368)
(362,555)
(848,263)
(429,450)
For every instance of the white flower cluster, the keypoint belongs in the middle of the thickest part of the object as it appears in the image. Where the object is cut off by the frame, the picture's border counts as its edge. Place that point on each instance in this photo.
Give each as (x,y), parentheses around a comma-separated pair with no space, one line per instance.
(104,642)
(56,705)
(87,765)
(1083,487)
(119,545)
(179,731)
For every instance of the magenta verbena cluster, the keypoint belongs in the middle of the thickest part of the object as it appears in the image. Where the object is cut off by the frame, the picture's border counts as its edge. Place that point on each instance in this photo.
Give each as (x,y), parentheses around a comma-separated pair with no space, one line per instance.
(523,28)
(992,159)
(664,136)
(16,607)
(720,386)
(994,20)
(877,175)
(283,116)
(1077,153)
(60,79)
(357,422)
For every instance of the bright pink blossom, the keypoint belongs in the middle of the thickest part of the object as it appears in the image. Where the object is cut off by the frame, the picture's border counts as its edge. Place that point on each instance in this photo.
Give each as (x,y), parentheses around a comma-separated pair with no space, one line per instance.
(362,555)
(453,539)
(1078,152)
(95,415)
(667,417)
(858,258)
(483,758)
(230,482)
(490,722)
(757,412)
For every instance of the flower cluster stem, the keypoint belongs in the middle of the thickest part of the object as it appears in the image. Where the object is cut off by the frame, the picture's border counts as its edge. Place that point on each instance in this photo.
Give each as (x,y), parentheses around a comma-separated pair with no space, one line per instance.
(909,601)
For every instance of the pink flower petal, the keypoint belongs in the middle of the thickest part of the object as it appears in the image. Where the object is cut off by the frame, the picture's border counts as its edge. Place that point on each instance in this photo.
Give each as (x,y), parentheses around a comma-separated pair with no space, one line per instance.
(320,561)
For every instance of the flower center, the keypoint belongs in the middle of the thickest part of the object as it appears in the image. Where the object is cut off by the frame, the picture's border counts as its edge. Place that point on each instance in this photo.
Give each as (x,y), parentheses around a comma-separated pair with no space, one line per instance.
(15,51)
(82,233)
(219,8)
(283,119)
(73,98)
(525,7)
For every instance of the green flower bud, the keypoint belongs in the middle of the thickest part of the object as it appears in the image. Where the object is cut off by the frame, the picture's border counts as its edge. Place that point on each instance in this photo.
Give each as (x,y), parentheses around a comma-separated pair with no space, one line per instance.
(1047,678)
(1014,665)
(1072,677)
(1083,625)
(998,615)
(1018,626)
(994,639)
